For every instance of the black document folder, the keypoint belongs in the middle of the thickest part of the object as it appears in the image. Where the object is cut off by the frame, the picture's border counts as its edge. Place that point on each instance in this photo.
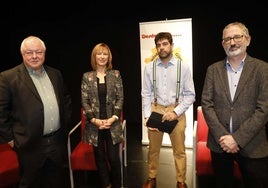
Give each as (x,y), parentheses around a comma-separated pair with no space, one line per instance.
(155,121)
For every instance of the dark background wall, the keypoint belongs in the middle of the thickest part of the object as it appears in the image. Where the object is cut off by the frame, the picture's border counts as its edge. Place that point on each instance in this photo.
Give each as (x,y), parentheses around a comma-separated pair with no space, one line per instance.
(70,31)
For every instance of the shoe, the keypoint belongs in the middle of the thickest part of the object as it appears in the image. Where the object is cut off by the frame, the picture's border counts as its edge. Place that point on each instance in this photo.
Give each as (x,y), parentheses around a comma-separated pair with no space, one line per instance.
(150,183)
(181,185)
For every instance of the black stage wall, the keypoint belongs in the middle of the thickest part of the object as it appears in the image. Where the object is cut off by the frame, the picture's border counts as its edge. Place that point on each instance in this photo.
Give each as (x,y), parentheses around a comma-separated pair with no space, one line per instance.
(71,30)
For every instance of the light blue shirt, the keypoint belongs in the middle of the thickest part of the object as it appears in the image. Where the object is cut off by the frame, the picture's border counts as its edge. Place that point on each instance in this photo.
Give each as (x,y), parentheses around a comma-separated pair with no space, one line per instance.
(166,85)
(46,92)
(233,79)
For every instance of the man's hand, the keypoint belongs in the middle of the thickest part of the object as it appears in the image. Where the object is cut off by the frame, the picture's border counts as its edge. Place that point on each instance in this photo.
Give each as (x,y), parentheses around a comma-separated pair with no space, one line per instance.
(150,128)
(169,116)
(11,143)
(228,144)
(153,129)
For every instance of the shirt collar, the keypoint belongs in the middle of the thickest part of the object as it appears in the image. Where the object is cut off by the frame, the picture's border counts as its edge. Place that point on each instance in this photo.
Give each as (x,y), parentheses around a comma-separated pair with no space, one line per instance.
(241,63)
(33,72)
(172,61)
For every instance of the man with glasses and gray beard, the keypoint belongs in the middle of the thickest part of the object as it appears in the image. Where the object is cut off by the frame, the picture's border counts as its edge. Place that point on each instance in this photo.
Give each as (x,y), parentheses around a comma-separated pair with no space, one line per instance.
(235,105)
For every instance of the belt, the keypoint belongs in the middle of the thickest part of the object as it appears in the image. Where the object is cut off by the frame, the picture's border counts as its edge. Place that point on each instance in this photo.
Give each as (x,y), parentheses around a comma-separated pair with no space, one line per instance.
(165,106)
(51,134)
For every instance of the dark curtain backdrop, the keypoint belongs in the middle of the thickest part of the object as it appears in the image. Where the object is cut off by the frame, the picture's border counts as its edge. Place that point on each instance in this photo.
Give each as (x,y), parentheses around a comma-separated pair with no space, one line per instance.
(70,31)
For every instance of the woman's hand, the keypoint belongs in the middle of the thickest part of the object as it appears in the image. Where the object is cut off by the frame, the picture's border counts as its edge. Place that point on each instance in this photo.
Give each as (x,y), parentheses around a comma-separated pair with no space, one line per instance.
(103,123)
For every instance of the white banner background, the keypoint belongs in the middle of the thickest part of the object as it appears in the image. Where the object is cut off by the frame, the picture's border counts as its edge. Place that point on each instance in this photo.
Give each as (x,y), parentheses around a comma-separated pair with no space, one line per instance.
(181,30)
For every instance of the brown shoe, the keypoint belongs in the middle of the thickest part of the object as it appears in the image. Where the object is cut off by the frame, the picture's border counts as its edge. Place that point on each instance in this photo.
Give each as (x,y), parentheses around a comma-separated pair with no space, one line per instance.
(181,185)
(150,183)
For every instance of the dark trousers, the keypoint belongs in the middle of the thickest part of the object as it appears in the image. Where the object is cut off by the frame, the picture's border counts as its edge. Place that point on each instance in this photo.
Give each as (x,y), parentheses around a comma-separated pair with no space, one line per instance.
(254,171)
(42,166)
(108,160)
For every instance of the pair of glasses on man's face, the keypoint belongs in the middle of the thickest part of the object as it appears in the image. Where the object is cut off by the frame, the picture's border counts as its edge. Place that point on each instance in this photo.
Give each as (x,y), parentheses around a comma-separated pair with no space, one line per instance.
(236,38)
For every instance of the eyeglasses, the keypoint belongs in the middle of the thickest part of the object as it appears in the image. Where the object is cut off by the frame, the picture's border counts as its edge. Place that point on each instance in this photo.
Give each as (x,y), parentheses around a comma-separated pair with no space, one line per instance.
(236,38)
(31,53)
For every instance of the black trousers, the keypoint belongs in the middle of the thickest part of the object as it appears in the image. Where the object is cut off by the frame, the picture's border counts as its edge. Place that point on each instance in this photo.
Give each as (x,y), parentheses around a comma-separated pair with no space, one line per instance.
(254,171)
(108,160)
(42,166)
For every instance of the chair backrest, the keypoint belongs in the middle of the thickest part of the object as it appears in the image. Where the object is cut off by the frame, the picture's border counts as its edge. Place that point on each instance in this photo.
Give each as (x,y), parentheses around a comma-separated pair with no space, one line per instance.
(202,127)
(201,151)
(9,166)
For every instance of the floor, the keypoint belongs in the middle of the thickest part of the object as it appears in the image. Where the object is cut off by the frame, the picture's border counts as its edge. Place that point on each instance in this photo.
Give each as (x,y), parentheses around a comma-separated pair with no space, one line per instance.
(135,173)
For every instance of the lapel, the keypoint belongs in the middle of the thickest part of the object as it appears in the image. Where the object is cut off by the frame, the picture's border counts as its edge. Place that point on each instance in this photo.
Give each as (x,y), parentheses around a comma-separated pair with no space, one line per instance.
(224,82)
(92,78)
(94,83)
(25,79)
(244,78)
(108,82)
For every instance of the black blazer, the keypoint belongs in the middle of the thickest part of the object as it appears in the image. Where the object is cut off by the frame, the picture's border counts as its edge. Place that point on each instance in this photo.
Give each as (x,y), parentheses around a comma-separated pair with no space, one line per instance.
(21,108)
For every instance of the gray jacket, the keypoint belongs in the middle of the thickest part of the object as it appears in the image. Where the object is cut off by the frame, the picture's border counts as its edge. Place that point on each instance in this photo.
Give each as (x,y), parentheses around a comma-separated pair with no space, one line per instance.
(249,108)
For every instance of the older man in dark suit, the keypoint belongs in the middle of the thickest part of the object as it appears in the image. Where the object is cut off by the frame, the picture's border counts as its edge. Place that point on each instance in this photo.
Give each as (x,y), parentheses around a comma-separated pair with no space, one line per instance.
(35,108)
(235,105)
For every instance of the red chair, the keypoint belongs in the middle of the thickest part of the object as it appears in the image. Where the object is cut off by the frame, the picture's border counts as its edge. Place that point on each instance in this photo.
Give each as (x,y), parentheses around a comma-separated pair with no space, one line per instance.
(81,156)
(9,166)
(202,158)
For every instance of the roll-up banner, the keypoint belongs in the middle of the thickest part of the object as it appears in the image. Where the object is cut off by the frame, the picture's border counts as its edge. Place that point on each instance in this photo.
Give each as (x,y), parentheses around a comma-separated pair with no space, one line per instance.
(181,30)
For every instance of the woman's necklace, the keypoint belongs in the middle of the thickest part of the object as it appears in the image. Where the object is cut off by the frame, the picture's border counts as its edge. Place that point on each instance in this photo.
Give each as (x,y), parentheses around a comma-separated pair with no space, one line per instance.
(101,76)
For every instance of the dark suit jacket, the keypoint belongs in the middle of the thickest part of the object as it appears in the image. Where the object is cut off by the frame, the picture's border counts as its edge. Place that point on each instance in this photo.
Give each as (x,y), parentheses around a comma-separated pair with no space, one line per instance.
(21,108)
(249,108)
